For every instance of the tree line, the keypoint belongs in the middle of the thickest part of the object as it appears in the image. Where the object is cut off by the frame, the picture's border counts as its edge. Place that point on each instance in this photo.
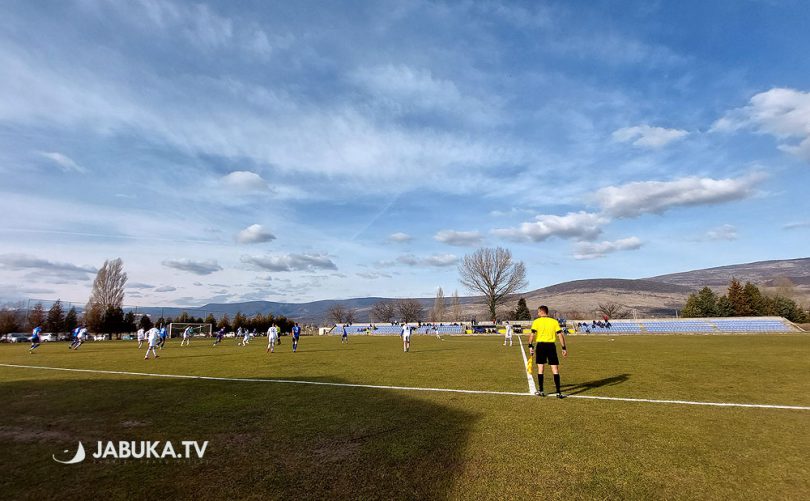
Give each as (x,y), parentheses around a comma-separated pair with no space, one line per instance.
(742,301)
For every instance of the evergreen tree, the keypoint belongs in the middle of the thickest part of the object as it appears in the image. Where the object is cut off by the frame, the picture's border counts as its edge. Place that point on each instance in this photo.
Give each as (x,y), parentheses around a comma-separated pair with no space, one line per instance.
(71,319)
(754,299)
(55,322)
(238,320)
(738,299)
(522,311)
(145,323)
(781,306)
(210,319)
(129,322)
(36,317)
(224,323)
(724,307)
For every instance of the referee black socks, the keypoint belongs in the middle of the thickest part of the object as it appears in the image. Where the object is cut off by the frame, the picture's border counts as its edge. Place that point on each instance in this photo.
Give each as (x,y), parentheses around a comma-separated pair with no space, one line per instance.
(557,382)
(540,381)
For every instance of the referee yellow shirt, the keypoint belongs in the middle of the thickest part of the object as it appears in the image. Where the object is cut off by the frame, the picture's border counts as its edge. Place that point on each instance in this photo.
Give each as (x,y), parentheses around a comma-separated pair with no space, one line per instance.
(545,329)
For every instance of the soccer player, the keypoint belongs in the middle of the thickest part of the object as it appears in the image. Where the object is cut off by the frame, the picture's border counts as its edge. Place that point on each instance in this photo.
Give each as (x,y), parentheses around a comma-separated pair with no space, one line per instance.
(272,336)
(239,337)
(220,334)
(187,336)
(436,331)
(345,337)
(508,336)
(140,336)
(80,337)
(74,337)
(544,331)
(296,332)
(245,337)
(406,337)
(35,339)
(152,341)
(163,335)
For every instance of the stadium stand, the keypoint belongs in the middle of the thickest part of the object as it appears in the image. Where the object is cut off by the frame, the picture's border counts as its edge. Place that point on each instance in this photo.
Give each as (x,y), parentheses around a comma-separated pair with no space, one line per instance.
(640,326)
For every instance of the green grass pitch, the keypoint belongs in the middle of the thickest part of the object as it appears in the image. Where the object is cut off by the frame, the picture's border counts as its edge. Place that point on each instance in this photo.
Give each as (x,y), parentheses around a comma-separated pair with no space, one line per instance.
(295,441)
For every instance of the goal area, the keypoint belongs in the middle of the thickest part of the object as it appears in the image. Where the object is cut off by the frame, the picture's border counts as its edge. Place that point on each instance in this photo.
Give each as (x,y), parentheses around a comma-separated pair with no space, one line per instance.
(176,329)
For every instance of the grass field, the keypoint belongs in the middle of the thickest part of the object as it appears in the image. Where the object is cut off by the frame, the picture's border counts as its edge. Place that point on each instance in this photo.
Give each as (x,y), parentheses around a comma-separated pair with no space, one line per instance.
(301,441)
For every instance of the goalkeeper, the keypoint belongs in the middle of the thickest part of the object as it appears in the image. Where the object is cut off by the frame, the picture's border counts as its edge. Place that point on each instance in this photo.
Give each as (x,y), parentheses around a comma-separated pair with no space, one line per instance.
(545,330)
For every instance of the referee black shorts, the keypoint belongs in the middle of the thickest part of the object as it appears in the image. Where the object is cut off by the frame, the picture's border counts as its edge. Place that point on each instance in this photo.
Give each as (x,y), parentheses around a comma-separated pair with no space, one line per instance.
(546,353)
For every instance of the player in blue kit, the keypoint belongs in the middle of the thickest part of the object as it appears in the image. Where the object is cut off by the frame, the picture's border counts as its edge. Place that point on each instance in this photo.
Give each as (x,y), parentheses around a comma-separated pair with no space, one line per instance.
(345,337)
(35,340)
(296,332)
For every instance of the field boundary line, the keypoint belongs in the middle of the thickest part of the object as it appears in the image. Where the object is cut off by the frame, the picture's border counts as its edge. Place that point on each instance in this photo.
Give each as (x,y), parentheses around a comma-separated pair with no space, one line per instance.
(410,388)
(532,387)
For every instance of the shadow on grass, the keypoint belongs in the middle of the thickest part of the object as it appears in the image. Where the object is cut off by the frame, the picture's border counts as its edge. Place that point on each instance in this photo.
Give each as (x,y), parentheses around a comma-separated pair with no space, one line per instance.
(573,389)
(266,440)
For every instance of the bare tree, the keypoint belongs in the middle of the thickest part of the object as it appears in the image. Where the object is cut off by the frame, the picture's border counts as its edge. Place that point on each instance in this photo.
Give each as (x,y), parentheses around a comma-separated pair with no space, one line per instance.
(351,315)
(383,311)
(411,310)
(437,314)
(455,307)
(337,313)
(492,272)
(612,310)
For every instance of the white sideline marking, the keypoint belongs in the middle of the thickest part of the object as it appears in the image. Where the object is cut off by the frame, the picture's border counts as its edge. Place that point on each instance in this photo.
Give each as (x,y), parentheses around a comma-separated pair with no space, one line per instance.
(410,388)
(532,387)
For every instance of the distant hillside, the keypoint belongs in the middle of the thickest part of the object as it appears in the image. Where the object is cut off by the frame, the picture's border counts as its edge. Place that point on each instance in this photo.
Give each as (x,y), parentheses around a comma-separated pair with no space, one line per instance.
(654,296)
(761,273)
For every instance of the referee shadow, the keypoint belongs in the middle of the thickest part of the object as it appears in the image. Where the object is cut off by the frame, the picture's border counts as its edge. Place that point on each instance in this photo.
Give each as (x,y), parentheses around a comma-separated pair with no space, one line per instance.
(573,389)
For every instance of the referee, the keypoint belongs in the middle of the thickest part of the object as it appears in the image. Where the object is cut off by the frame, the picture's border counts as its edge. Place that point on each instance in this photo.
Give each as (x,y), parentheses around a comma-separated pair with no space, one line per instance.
(545,331)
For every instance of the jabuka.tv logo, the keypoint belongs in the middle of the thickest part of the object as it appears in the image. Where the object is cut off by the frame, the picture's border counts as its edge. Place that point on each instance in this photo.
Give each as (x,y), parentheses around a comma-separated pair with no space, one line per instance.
(138,450)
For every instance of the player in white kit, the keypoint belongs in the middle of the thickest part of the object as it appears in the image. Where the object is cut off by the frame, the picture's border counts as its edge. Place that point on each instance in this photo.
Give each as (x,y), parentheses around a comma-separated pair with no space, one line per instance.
(272,337)
(508,336)
(187,336)
(407,330)
(140,335)
(152,340)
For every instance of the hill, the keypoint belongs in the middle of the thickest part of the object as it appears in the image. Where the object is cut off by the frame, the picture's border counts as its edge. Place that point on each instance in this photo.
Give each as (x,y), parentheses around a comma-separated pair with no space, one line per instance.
(648,297)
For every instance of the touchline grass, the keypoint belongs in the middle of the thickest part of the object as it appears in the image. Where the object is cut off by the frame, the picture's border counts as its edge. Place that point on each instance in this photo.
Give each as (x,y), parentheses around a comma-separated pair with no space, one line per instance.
(292,441)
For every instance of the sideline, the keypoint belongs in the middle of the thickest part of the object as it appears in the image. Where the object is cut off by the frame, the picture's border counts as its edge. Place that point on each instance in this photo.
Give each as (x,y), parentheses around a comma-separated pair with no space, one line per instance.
(532,387)
(409,388)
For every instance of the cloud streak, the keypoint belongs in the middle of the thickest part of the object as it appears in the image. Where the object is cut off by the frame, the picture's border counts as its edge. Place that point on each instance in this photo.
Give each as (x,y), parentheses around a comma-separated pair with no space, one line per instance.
(290,262)
(205,267)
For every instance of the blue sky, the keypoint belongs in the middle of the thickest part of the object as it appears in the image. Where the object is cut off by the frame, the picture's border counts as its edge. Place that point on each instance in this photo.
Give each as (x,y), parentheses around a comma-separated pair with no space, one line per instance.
(294,151)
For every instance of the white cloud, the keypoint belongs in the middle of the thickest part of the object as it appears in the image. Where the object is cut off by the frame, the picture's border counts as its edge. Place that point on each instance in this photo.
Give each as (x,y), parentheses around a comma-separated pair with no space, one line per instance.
(593,250)
(795,225)
(578,225)
(42,268)
(254,234)
(642,197)
(197,267)
(138,285)
(435,260)
(783,113)
(460,238)
(724,232)
(63,161)
(400,237)
(290,262)
(372,275)
(245,181)
(645,136)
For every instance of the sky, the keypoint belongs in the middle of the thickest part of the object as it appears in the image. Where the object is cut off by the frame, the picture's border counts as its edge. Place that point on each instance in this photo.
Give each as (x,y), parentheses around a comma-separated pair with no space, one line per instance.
(298,151)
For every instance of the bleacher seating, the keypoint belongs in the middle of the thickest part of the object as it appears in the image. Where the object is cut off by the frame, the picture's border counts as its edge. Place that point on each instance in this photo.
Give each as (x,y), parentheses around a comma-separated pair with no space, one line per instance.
(751,325)
(664,326)
(394,329)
